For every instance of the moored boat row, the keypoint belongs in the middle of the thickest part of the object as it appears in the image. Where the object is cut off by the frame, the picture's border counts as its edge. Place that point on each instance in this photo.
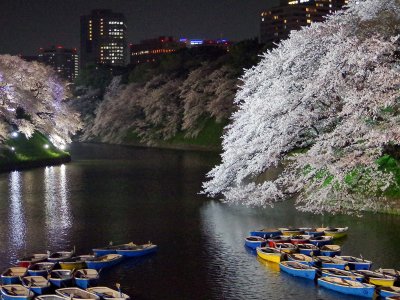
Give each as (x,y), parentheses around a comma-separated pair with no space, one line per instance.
(326,265)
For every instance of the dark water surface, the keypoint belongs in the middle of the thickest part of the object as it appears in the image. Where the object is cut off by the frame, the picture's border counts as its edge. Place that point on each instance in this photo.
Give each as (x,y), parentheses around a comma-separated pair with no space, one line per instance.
(121,194)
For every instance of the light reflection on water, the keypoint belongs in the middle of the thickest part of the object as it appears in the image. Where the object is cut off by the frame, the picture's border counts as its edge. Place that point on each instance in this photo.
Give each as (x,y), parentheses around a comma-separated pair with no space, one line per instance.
(17,225)
(58,211)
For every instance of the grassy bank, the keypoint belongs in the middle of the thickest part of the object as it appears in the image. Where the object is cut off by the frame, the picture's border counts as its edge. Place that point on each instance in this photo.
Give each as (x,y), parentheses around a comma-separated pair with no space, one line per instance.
(209,138)
(20,152)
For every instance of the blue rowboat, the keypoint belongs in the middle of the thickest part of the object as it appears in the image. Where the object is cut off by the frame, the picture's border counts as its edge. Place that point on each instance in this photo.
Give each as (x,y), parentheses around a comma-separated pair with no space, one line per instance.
(297,269)
(61,278)
(332,272)
(41,269)
(356,263)
(106,293)
(73,293)
(331,250)
(137,250)
(314,232)
(286,247)
(349,287)
(104,261)
(255,241)
(110,249)
(301,258)
(85,278)
(331,262)
(38,284)
(12,275)
(16,292)
(308,249)
(266,232)
(388,291)
(321,240)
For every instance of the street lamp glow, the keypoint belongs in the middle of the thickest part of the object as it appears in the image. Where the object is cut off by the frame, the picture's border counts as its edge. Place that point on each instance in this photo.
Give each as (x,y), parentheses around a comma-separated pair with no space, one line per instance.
(46,146)
(14,134)
(63,147)
(12,149)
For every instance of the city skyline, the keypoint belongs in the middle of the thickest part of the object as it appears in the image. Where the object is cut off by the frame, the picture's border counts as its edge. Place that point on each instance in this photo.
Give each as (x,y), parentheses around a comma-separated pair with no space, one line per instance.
(44,23)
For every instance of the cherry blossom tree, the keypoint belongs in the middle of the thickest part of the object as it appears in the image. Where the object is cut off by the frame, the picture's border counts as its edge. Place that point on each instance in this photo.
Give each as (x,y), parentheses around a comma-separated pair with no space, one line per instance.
(322,107)
(33,98)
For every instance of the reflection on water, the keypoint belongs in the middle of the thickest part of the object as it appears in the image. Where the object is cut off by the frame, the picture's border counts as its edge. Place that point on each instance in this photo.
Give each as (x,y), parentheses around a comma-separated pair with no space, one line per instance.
(126,194)
(17,221)
(58,211)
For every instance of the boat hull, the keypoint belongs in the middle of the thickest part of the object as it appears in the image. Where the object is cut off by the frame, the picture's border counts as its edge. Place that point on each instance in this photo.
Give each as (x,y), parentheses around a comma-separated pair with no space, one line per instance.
(272,257)
(381,281)
(97,265)
(254,244)
(72,265)
(329,253)
(10,279)
(136,253)
(367,291)
(85,283)
(308,274)
(60,283)
(6,296)
(265,234)
(349,277)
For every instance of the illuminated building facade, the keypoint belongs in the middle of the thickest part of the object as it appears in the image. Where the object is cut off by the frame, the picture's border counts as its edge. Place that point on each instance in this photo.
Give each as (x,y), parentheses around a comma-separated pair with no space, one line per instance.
(150,50)
(63,60)
(277,22)
(103,38)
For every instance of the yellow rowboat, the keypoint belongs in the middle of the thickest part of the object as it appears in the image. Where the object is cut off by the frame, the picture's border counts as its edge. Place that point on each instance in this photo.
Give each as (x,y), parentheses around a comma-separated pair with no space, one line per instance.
(376,278)
(76,263)
(336,233)
(270,254)
(291,231)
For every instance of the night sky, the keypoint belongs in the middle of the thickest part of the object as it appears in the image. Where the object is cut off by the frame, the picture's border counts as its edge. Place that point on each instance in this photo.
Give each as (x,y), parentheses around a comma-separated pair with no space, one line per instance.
(27,25)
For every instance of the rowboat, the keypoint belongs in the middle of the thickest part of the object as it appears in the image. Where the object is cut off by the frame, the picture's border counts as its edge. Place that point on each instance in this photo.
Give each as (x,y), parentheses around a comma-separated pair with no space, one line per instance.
(76,293)
(388,291)
(331,250)
(266,232)
(356,263)
(137,250)
(336,233)
(107,293)
(110,249)
(390,272)
(41,269)
(270,254)
(301,258)
(77,262)
(314,232)
(255,241)
(321,240)
(38,284)
(376,278)
(278,239)
(331,262)
(332,272)
(300,239)
(104,261)
(85,278)
(308,249)
(16,292)
(349,287)
(297,269)
(291,231)
(12,275)
(393,298)
(60,278)
(29,260)
(50,297)
(286,247)
(60,256)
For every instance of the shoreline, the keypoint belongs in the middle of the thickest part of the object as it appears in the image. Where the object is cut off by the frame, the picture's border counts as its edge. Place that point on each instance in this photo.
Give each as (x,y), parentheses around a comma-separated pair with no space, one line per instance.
(25,165)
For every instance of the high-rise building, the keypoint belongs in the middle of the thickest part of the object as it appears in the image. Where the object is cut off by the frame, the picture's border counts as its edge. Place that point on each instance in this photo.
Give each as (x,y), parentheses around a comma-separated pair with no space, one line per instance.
(63,60)
(277,22)
(103,38)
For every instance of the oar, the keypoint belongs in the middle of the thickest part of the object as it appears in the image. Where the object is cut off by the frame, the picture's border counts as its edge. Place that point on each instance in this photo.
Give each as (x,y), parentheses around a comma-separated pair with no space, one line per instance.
(119,289)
